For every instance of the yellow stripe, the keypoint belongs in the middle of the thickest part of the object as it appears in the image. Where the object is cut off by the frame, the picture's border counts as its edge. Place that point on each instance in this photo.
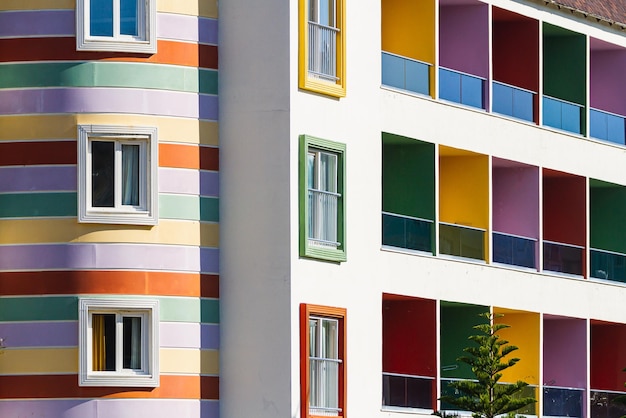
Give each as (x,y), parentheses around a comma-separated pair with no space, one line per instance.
(192,361)
(39,361)
(36,4)
(172,232)
(23,128)
(204,8)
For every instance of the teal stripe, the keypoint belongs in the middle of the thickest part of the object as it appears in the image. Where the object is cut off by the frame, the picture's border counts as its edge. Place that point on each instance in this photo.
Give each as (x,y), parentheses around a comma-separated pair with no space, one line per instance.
(109,74)
(189,208)
(65,308)
(23,205)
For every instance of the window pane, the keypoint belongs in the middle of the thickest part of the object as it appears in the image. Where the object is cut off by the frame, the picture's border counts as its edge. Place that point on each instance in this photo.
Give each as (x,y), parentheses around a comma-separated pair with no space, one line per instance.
(129,17)
(449,85)
(393,71)
(310,159)
(102,174)
(472,91)
(571,117)
(523,104)
(615,129)
(130,175)
(313,338)
(598,124)
(327,13)
(101,17)
(329,339)
(551,113)
(502,99)
(103,342)
(417,79)
(328,172)
(132,342)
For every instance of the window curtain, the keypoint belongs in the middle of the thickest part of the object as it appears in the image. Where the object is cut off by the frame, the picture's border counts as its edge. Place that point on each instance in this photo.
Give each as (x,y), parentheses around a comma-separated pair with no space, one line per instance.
(132,342)
(130,175)
(98,342)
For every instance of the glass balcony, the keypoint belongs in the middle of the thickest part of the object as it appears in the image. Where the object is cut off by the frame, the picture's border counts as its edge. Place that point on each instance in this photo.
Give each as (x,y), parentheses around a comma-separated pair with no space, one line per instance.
(607,126)
(461,88)
(563,258)
(607,405)
(514,250)
(562,402)
(513,101)
(527,392)
(405,73)
(562,115)
(407,232)
(608,265)
(407,391)
(462,241)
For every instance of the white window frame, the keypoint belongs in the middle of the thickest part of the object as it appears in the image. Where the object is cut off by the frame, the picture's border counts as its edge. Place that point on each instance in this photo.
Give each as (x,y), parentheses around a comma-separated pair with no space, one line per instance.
(146,42)
(148,310)
(147,211)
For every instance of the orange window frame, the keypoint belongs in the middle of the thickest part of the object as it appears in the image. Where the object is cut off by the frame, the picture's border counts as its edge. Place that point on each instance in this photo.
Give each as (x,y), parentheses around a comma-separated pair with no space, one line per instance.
(306,311)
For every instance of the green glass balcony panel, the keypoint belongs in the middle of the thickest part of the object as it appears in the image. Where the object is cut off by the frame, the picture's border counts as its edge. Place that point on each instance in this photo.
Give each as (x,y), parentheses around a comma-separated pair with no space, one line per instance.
(461,241)
(608,265)
(407,232)
(528,391)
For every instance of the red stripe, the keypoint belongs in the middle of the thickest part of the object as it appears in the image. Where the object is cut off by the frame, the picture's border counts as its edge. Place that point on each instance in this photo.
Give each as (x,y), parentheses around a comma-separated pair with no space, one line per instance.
(34,153)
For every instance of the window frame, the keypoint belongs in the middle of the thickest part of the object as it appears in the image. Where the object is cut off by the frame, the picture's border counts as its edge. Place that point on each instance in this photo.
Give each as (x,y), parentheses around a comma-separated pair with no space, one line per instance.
(145,42)
(338,254)
(147,211)
(148,309)
(318,311)
(307,82)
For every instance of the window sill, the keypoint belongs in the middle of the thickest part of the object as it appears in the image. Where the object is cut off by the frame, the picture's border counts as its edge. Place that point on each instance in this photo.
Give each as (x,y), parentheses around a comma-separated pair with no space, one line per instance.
(119,218)
(117,45)
(119,380)
(320,86)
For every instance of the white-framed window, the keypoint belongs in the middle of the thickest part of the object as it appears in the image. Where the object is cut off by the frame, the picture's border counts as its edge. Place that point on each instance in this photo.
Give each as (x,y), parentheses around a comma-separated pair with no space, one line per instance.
(118,342)
(117,174)
(116,25)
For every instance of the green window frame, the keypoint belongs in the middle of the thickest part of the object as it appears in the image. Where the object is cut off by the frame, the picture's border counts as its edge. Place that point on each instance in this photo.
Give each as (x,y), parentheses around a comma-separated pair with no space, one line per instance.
(317,203)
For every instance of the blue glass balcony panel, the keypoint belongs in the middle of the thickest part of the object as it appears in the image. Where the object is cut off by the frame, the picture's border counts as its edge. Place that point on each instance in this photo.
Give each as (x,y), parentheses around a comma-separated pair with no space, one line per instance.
(563,258)
(558,402)
(461,241)
(513,250)
(511,101)
(472,91)
(608,265)
(405,73)
(616,129)
(502,100)
(449,85)
(562,115)
(408,391)
(461,88)
(406,232)
(523,104)
(607,126)
(604,405)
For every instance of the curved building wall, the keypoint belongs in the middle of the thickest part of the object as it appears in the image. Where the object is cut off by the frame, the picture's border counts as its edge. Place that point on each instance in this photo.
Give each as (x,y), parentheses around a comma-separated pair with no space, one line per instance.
(49,260)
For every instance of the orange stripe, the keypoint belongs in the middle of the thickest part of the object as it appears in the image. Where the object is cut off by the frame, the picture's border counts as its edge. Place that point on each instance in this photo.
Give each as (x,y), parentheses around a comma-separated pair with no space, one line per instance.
(66,386)
(64,49)
(188,156)
(109,282)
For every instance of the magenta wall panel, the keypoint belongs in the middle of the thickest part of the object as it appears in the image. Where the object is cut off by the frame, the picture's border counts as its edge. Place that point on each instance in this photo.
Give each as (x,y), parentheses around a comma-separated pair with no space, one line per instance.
(464,38)
(516,199)
(564,352)
(607,69)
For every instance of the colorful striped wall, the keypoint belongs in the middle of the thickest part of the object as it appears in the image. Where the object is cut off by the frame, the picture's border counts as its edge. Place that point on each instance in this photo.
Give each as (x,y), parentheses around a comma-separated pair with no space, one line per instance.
(48,260)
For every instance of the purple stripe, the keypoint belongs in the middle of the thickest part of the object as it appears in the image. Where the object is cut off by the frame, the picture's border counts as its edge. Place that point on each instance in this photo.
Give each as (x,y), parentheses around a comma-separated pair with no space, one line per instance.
(37,178)
(187,28)
(188,335)
(108,100)
(182,181)
(37,23)
(109,256)
(39,334)
(118,408)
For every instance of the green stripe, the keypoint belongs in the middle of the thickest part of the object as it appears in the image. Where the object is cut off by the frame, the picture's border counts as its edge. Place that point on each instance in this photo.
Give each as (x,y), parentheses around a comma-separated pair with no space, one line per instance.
(65,308)
(109,74)
(23,205)
(189,208)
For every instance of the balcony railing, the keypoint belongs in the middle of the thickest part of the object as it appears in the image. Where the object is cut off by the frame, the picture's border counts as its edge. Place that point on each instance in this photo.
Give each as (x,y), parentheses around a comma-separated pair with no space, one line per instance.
(323,218)
(563,258)
(408,391)
(563,115)
(324,386)
(513,101)
(607,126)
(323,51)
(461,88)
(514,250)
(405,73)
(407,232)
(461,241)
(604,404)
(608,265)
(563,402)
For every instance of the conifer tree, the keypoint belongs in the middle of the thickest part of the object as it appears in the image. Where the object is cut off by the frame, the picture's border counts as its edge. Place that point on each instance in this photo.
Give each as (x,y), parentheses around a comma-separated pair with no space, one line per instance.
(485,397)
